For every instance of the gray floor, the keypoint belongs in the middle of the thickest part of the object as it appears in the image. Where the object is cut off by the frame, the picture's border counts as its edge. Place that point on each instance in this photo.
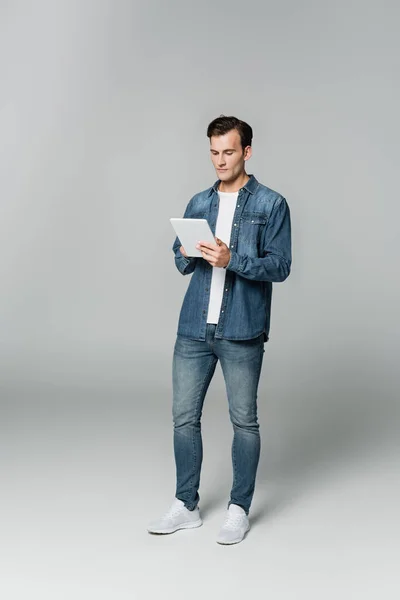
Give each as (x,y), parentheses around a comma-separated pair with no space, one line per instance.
(84,470)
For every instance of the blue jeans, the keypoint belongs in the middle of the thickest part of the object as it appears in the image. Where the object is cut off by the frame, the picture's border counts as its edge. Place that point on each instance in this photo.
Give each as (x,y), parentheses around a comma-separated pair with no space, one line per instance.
(194,364)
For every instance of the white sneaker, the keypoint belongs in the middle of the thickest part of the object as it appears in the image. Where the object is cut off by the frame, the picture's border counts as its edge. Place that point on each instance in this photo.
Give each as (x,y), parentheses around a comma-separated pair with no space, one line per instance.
(176,517)
(235,526)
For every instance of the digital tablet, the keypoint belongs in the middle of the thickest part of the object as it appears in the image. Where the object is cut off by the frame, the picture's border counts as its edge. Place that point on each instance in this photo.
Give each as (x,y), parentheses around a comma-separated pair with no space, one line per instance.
(192,231)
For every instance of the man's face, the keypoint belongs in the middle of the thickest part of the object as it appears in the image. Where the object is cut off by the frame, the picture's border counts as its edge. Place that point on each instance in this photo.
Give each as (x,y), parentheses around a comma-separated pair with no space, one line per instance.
(228,156)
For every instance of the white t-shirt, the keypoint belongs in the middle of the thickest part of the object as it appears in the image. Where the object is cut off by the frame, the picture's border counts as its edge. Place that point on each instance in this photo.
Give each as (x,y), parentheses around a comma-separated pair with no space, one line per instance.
(223,228)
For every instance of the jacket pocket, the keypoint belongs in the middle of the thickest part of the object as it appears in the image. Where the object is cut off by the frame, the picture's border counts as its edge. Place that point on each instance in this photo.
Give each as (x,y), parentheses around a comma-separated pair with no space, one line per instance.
(254,218)
(250,229)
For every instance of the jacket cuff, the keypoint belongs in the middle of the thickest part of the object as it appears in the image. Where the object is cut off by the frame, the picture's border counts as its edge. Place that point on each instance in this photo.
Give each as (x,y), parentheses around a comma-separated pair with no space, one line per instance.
(234,263)
(184,262)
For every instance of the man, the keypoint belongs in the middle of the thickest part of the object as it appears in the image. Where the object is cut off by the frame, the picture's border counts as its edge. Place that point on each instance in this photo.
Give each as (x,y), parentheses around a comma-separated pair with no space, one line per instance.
(225,316)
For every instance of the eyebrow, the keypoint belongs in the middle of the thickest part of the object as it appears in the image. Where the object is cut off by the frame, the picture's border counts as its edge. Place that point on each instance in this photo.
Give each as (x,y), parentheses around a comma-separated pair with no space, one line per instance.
(226,150)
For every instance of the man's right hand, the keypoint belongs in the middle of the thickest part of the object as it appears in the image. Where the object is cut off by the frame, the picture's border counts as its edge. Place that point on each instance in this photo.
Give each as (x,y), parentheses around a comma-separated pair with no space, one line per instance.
(182,251)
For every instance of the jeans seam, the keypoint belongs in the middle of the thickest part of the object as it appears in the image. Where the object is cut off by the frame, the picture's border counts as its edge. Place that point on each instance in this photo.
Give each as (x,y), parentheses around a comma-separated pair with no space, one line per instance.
(196,412)
(234,462)
(260,361)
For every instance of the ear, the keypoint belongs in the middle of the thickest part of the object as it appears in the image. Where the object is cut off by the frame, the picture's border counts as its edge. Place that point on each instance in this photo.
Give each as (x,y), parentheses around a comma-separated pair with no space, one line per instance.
(247,152)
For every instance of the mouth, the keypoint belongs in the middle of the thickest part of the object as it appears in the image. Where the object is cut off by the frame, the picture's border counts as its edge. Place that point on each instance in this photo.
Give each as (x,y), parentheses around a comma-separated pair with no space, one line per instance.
(222,169)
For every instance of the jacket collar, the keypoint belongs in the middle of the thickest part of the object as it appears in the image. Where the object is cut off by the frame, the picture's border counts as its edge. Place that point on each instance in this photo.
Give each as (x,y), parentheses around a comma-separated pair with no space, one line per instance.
(250,186)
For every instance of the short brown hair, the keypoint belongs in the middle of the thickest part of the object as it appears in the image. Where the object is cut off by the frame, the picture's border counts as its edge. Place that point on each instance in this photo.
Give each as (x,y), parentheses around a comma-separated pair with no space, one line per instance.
(223,124)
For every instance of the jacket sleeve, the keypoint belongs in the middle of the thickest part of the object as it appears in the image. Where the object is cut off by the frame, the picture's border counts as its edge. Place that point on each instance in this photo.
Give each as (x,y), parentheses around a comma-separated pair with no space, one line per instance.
(275,262)
(183,264)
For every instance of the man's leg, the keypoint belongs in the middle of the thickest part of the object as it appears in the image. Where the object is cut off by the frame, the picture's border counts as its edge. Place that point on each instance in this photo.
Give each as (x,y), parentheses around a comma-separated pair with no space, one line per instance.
(193,367)
(241,363)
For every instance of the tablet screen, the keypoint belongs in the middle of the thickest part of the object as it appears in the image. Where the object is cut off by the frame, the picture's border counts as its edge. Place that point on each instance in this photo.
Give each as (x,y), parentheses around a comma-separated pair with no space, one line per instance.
(190,232)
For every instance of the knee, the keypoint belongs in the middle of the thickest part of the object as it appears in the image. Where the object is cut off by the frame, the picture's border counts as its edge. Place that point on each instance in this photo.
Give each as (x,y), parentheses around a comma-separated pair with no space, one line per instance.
(183,418)
(244,421)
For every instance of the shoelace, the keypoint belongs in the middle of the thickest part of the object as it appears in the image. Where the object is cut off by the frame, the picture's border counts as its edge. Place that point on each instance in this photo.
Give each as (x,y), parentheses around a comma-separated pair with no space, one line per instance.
(172,512)
(233,521)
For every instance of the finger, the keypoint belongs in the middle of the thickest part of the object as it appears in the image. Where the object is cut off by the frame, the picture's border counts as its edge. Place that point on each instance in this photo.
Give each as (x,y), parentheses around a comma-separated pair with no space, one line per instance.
(208,245)
(212,249)
(209,252)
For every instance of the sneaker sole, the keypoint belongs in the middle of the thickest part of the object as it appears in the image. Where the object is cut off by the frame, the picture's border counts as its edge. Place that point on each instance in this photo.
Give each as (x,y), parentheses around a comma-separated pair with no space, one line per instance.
(235,541)
(187,525)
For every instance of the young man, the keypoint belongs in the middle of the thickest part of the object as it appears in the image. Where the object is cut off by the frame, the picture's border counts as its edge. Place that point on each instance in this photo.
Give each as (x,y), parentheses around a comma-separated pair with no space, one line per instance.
(225,316)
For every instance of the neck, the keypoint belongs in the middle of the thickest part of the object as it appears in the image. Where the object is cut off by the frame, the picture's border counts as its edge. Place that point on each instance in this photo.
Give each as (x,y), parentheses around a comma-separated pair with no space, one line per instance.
(233,186)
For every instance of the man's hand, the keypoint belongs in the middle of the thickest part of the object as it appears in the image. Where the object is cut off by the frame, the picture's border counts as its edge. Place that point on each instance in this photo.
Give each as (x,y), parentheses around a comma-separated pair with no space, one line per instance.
(182,251)
(218,255)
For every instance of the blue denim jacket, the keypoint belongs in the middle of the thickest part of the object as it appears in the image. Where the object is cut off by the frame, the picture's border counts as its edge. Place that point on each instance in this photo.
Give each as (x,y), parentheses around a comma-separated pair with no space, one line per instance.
(260,247)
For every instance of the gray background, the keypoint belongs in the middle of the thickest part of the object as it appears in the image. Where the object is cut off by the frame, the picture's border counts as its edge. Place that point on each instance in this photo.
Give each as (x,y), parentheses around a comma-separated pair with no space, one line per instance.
(103,112)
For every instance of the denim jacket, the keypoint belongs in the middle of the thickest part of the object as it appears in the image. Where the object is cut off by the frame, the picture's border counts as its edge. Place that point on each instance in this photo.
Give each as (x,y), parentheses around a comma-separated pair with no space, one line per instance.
(260,248)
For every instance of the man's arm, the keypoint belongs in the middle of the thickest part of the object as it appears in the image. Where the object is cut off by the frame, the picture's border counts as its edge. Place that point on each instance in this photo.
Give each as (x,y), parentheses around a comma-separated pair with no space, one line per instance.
(276,246)
(183,264)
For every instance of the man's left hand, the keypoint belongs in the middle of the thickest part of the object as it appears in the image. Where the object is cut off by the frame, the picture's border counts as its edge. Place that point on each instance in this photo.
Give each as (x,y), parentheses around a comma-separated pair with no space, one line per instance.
(218,255)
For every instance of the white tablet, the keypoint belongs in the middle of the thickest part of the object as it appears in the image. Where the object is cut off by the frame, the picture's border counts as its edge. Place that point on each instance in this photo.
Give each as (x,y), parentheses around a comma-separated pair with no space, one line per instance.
(192,231)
